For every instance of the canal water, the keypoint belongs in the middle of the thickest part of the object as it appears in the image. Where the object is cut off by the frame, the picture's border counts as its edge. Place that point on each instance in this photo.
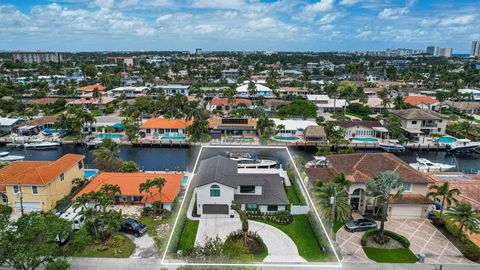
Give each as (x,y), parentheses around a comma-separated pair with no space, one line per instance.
(159,159)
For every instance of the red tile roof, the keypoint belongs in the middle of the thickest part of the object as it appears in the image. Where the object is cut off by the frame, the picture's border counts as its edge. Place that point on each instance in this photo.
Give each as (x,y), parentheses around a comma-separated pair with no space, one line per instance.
(166,123)
(130,182)
(97,86)
(216,101)
(415,100)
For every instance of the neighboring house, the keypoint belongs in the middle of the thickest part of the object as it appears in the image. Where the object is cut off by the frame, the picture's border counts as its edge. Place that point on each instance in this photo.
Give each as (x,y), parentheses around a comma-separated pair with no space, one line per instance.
(40,183)
(7,124)
(363,167)
(417,122)
(232,73)
(222,104)
(85,90)
(293,91)
(468,107)
(155,128)
(129,91)
(422,102)
(292,127)
(474,93)
(468,184)
(104,121)
(218,185)
(129,184)
(173,89)
(273,104)
(232,126)
(362,129)
(372,91)
(262,91)
(315,133)
(375,103)
(35,126)
(326,104)
(92,103)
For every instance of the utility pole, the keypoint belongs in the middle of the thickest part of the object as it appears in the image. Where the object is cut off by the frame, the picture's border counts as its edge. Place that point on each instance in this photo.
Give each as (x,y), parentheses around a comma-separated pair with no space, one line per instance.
(21,197)
(333,202)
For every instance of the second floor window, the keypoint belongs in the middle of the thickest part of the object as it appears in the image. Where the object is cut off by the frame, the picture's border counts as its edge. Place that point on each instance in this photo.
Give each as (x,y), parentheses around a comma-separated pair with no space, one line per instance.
(34,190)
(214,191)
(407,187)
(16,189)
(247,189)
(62,177)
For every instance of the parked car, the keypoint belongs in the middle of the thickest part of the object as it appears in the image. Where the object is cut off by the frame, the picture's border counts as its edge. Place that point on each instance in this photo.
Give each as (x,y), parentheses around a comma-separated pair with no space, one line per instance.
(358,225)
(132,226)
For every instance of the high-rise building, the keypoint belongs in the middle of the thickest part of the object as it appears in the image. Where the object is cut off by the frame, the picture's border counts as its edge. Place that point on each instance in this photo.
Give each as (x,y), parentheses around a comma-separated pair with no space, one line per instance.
(445,52)
(432,50)
(475,52)
(38,57)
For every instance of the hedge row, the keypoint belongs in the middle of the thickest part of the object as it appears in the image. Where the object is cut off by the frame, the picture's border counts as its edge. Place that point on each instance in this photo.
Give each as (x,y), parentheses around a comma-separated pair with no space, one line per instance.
(291,173)
(402,239)
(280,217)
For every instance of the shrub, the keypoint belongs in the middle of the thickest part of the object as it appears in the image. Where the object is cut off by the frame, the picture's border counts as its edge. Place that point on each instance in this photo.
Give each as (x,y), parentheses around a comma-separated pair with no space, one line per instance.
(280,217)
(400,238)
(5,210)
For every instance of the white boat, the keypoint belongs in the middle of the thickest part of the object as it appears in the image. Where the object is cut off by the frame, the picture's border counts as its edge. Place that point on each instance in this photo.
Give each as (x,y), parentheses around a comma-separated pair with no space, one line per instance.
(319,161)
(245,163)
(425,165)
(239,155)
(5,156)
(41,145)
(462,145)
(392,146)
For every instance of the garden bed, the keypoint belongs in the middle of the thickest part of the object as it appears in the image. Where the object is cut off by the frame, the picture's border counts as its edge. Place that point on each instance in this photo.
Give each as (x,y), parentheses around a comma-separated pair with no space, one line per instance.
(255,250)
(394,250)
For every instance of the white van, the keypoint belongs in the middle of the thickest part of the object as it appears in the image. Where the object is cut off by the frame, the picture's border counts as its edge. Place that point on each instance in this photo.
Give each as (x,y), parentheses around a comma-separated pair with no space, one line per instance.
(74,215)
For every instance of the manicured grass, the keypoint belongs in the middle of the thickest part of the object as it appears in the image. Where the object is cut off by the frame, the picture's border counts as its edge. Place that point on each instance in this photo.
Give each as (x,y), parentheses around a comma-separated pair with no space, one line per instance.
(396,255)
(292,195)
(99,251)
(187,239)
(303,236)
(337,225)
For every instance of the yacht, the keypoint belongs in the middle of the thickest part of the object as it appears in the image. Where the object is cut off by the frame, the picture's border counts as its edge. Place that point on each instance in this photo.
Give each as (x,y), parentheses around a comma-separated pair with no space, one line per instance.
(319,161)
(462,145)
(246,160)
(41,145)
(5,156)
(239,155)
(425,165)
(392,146)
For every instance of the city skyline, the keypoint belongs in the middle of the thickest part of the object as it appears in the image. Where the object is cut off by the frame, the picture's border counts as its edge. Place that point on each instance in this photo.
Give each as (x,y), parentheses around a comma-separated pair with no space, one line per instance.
(236,25)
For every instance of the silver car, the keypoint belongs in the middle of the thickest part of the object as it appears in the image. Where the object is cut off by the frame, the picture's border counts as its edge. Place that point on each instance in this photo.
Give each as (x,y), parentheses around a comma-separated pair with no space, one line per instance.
(358,225)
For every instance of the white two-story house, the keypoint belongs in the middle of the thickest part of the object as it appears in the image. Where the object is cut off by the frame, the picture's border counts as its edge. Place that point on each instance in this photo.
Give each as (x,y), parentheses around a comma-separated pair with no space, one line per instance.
(418,122)
(218,185)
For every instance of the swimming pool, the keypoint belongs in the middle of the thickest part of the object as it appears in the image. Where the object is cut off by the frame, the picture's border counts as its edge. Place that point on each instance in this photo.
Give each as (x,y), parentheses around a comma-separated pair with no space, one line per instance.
(108,136)
(286,138)
(447,140)
(364,140)
(89,173)
(184,180)
(174,138)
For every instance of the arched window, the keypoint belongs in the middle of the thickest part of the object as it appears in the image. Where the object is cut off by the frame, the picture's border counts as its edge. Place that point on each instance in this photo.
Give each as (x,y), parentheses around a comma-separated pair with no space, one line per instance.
(214,191)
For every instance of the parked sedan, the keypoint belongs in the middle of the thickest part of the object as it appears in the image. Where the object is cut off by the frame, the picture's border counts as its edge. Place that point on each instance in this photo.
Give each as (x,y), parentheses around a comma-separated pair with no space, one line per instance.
(132,226)
(363,224)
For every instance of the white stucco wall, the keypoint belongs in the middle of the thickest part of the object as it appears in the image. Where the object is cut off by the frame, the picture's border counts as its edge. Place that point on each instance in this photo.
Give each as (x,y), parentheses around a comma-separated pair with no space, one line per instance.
(203,196)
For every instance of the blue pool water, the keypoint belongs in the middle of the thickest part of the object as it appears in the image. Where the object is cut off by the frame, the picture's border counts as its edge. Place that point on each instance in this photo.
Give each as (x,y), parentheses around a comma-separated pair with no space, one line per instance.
(109,136)
(90,173)
(446,139)
(184,180)
(174,138)
(286,138)
(366,140)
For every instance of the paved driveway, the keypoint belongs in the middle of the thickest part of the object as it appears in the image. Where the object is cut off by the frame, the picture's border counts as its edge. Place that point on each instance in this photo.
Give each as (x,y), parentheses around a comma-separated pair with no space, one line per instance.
(424,238)
(280,247)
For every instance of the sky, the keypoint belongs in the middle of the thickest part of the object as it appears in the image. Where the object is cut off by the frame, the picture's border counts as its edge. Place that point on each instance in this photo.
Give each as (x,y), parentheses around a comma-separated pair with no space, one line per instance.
(270,25)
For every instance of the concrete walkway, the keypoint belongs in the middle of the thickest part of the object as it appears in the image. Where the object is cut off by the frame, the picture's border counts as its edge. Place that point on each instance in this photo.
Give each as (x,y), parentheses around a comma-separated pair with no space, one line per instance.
(144,246)
(280,247)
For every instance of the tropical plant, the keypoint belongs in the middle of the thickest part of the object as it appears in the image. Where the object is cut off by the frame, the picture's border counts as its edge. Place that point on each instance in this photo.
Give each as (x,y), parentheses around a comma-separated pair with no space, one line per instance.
(265,126)
(447,195)
(149,184)
(323,195)
(106,155)
(341,180)
(244,220)
(466,216)
(129,167)
(383,95)
(252,89)
(334,134)
(388,185)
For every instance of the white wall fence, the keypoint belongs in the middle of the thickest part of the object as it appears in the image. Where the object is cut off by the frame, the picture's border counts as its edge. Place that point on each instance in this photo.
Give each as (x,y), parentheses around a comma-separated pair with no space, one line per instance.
(299,209)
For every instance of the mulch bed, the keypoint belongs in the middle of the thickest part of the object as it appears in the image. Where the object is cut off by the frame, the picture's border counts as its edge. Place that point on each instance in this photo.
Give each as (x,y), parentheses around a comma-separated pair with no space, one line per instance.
(253,245)
(391,244)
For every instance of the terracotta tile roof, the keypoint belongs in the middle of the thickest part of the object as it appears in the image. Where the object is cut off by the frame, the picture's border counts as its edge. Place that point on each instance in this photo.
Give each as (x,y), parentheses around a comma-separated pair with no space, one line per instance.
(364,167)
(216,101)
(130,182)
(97,86)
(166,123)
(322,174)
(469,188)
(415,100)
(411,199)
(37,172)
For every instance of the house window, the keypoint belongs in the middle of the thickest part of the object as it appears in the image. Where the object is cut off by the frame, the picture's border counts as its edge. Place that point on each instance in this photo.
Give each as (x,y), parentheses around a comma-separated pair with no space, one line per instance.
(251,207)
(247,189)
(414,122)
(80,165)
(214,191)
(148,131)
(62,177)
(16,189)
(407,187)
(4,198)
(272,208)
(34,190)
(439,129)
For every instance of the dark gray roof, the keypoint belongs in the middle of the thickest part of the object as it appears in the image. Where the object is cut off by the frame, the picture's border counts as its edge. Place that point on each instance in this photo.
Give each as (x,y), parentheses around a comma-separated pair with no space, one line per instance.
(224,171)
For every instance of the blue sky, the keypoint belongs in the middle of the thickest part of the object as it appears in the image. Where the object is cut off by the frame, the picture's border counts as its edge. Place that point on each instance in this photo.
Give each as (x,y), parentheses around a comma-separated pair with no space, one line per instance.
(277,25)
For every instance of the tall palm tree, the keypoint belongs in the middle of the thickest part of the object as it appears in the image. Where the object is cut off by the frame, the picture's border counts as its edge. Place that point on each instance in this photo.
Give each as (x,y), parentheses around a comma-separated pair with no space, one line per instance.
(264,125)
(342,209)
(466,216)
(156,182)
(445,193)
(106,155)
(244,220)
(281,128)
(341,180)
(383,95)
(252,89)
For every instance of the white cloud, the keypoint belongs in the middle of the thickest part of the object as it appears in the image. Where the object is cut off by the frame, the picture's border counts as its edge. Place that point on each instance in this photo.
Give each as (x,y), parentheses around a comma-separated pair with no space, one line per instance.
(218,4)
(458,20)
(328,18)
(393,13)
(349,2)
(321,6)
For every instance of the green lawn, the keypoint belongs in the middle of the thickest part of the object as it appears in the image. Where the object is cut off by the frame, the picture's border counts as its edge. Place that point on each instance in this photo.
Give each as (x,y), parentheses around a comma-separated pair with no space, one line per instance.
(187,239)
(292,195)
(337,225)
(396,255)
(123,251)
(302,234)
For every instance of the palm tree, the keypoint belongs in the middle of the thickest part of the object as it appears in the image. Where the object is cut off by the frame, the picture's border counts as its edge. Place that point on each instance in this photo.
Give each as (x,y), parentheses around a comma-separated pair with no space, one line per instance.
(281,128)
(342,180)
(264,125)
(252,89)
(398,102)
(244,220)
(388,185)
(445,192)
(156,182)
(106,155)
(323,195)
(466,216)
(383,95)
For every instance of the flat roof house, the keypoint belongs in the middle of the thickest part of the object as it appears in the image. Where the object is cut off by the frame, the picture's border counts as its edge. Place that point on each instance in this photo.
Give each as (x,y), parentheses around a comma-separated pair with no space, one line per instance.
(173,89)
(40,183)
(327,104)
(417,122)
(129,91)
(129,184)
(7,124)
(363,167)
(155,128)
(218,185)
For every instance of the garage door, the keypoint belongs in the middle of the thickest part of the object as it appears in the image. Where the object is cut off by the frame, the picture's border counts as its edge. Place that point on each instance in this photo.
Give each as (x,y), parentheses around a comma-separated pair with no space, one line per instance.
(217,209)
(404,211)
(28,206)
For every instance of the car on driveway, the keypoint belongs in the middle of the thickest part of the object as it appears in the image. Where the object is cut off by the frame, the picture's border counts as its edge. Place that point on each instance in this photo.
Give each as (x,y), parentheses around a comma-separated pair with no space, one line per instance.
(133,226)
(358,225)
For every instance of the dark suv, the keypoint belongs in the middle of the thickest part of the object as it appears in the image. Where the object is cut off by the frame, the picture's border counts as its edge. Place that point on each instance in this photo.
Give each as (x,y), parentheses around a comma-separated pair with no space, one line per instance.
(132,226)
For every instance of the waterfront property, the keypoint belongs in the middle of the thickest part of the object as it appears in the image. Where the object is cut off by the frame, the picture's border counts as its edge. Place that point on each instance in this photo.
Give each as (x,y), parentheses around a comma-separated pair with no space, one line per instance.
(418,122)
(326,104)
(165,129)
(363,167)
(129,184)
(40,184)
(92,103)
(104,121)
(218,185)
(7,124)
(315,133)
(223,104)
(129,91)
(291,127)
(35,126)
(173,89)
(232,127)
(362,129)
